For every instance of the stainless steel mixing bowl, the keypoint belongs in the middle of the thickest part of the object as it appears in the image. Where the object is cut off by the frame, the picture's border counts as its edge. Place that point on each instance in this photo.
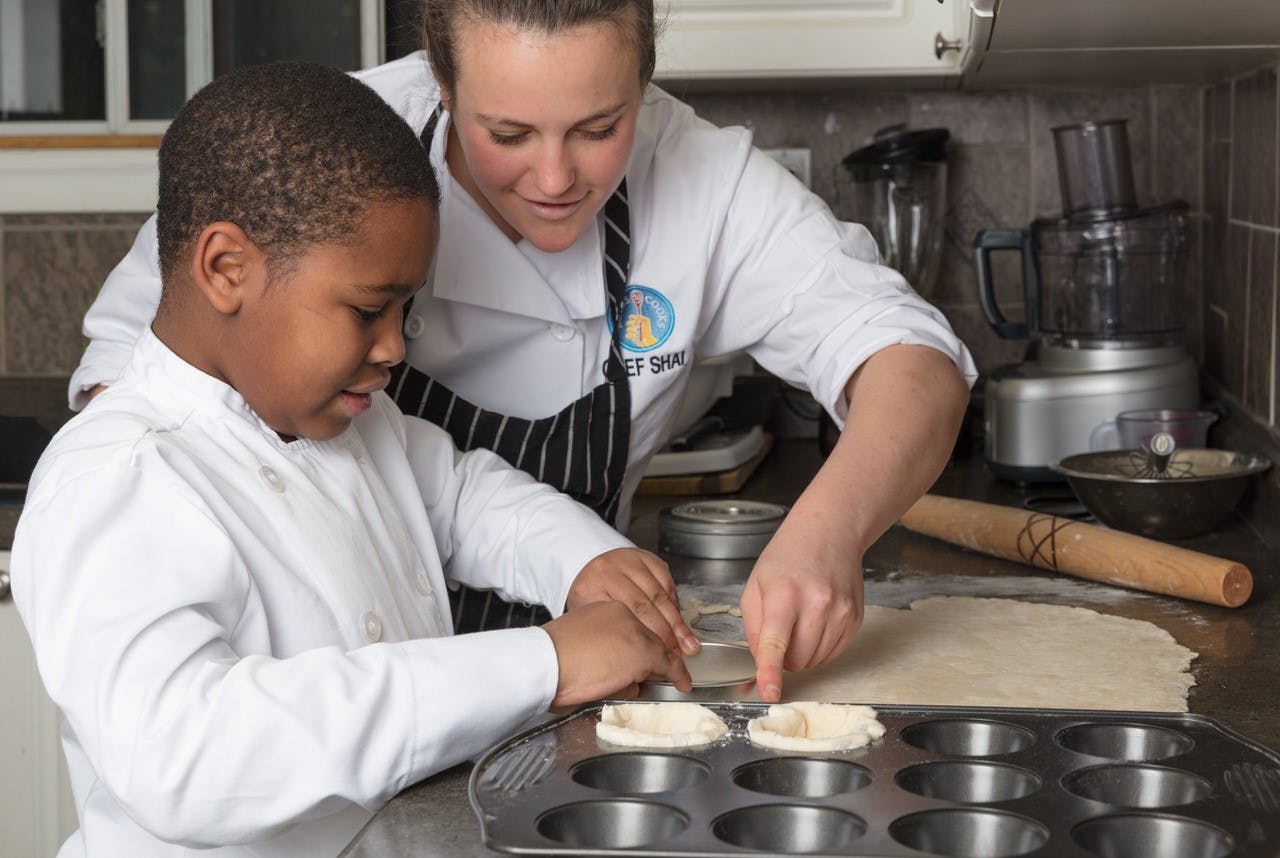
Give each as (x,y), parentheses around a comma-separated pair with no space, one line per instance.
(1192,493)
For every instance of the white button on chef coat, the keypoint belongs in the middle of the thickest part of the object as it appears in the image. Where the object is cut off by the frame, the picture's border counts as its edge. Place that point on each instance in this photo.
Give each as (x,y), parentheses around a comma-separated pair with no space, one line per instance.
(202,645)
(746,257)
(271,479)
(422,585)
(372,626)
(563,333)
(414,326)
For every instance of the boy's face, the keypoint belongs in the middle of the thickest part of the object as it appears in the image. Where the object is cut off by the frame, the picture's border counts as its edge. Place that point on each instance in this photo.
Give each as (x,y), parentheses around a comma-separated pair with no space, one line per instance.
(325,332)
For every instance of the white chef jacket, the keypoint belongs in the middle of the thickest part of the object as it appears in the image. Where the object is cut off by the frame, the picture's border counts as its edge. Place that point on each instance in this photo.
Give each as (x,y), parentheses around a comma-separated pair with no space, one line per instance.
(743,255)
(249,638)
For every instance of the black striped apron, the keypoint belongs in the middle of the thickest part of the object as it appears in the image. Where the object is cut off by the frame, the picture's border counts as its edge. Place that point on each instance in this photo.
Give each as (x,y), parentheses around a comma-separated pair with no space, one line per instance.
(582,450)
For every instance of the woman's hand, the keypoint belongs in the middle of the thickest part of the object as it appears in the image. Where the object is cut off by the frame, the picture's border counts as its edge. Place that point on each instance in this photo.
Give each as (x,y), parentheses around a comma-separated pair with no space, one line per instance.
(605,651)
(641,581)
(803,602)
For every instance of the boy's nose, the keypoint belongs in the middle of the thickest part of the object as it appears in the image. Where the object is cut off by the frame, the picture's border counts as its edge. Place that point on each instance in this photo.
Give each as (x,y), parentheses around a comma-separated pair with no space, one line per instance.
(388,345)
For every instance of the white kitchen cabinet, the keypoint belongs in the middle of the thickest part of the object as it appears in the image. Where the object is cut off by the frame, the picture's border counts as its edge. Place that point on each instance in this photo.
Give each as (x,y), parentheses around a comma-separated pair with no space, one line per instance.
(725,40)
(36,808)
(1098,42)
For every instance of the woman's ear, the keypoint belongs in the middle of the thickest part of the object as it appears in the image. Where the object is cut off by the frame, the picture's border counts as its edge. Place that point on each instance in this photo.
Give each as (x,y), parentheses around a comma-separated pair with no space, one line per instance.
(225,263)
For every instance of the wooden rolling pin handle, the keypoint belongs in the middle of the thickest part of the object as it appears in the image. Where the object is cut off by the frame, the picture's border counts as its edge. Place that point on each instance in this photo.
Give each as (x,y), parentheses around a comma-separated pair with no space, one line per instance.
(1084,550)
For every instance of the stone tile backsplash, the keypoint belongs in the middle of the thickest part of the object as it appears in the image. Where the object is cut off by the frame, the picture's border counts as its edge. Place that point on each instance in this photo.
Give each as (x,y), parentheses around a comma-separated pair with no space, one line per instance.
(1215,147)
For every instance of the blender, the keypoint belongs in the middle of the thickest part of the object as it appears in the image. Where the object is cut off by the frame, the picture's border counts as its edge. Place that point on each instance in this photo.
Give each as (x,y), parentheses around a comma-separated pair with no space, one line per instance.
(899,190)
(1100,286)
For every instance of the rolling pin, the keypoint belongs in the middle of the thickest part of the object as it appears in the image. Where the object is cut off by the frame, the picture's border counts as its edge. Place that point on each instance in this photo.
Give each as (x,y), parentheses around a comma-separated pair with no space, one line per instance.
(1083,550)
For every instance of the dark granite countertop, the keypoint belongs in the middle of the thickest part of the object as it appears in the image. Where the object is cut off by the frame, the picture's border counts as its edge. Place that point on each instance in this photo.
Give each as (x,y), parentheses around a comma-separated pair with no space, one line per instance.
(1237,671)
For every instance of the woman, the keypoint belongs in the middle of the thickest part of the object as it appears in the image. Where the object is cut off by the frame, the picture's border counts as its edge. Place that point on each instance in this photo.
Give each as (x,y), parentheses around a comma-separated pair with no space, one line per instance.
(575,193)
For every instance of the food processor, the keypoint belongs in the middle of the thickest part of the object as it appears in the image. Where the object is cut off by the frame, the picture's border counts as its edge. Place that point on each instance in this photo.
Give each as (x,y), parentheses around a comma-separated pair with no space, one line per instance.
(1101,286)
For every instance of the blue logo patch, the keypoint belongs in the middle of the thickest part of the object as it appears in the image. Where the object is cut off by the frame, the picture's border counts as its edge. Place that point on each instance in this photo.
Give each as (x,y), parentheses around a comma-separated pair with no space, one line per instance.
(647,319)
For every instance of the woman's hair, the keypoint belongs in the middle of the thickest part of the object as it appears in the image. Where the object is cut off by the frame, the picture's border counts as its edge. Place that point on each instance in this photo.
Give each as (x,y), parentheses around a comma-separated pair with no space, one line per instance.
(292,153)
(441,20)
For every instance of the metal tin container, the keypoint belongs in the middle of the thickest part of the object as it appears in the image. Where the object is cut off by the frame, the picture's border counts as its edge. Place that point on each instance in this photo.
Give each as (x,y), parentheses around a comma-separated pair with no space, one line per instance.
(957,781)
(719,529)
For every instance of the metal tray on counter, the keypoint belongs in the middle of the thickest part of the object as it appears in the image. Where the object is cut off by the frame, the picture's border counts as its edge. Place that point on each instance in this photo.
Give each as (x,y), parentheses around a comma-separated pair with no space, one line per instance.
(956,781)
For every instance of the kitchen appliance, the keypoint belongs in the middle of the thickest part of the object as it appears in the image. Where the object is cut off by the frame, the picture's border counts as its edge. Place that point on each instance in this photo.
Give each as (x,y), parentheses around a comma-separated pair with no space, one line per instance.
(942,781)
(719,426)
(898,190)
(1101,286)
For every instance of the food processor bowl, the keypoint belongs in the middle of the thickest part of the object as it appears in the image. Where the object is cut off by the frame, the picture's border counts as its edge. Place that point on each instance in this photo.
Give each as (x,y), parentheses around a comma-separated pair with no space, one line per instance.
(1111,282)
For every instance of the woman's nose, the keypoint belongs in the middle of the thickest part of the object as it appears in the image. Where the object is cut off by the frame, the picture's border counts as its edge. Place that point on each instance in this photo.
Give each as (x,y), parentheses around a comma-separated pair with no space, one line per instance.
(554,173)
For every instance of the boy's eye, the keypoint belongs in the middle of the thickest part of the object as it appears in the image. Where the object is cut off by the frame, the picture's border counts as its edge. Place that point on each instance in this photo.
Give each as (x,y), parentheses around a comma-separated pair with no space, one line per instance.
(366,315)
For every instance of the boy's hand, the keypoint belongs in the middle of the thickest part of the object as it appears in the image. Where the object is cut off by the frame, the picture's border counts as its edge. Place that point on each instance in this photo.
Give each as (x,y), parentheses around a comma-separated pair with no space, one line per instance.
(605,651)
(641,581)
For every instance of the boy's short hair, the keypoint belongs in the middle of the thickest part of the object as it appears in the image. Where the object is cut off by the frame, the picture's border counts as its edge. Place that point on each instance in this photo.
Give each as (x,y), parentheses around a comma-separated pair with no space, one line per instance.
(290,152)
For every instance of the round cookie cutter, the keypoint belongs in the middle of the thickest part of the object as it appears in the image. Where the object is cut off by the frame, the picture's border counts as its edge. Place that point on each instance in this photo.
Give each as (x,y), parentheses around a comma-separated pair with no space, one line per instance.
(720,672)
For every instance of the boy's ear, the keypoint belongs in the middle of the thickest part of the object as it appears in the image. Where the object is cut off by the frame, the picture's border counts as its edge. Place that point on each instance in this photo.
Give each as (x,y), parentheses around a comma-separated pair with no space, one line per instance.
(225,263)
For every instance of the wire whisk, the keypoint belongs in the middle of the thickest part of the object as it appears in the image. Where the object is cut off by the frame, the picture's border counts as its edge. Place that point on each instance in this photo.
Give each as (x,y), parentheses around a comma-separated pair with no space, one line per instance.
(1154,460)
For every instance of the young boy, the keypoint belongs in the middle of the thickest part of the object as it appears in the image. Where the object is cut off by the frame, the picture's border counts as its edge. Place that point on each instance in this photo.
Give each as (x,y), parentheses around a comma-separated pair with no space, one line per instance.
(231,563)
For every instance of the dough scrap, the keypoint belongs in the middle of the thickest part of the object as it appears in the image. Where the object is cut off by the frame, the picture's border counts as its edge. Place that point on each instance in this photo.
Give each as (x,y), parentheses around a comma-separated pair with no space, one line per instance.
(659,725)
(813,726)
(964,651)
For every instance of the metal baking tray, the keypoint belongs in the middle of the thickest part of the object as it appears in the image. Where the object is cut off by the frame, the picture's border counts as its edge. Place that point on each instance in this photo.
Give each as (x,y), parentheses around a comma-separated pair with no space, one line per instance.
(954,781)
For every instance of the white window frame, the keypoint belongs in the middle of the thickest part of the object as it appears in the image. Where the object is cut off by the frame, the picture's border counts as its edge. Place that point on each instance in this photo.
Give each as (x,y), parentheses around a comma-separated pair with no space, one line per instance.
(101,180)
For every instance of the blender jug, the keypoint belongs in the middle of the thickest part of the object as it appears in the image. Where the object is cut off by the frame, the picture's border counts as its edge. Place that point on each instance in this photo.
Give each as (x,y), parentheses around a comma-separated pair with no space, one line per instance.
(898,190)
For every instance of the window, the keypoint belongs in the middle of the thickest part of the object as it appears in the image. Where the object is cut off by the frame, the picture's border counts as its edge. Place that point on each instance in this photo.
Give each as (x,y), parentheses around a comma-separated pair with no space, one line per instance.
(87,88)
(126,66)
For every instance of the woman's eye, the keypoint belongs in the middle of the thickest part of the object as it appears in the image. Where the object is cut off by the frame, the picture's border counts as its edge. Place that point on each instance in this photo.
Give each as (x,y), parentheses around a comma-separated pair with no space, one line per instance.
(367,316)
(602,134)
(507,139)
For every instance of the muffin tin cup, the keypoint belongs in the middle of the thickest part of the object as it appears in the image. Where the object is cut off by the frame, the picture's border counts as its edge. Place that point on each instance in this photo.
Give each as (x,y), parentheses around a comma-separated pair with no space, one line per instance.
(951,781)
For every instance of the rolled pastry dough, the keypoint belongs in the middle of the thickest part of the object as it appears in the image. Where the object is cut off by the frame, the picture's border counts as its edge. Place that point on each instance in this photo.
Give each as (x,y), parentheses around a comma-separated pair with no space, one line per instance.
(811,726)
(963,651)
(659,725)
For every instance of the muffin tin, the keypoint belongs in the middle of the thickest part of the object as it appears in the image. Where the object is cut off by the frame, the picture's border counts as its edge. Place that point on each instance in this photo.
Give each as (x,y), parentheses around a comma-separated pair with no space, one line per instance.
(953,781)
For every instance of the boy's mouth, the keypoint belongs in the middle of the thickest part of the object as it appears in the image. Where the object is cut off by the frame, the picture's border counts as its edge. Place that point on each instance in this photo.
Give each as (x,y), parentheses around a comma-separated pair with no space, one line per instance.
(356,404)
(356,401)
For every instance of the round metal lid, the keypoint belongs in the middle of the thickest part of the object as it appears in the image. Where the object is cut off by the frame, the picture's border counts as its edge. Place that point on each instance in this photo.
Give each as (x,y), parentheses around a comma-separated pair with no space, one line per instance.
(724,516)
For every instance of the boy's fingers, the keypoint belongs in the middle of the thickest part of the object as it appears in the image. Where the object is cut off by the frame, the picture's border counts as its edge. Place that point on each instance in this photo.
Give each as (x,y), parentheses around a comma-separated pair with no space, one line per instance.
(667,600)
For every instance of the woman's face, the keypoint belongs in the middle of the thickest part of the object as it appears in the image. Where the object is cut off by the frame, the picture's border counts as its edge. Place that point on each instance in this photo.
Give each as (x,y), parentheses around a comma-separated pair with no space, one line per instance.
(542,125)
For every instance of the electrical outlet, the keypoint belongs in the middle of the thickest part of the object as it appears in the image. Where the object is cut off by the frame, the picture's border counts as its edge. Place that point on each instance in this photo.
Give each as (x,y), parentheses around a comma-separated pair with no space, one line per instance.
(794,160)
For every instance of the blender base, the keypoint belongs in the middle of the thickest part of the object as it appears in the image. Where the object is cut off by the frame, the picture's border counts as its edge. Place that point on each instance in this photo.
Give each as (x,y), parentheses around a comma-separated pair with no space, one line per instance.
(1038,412)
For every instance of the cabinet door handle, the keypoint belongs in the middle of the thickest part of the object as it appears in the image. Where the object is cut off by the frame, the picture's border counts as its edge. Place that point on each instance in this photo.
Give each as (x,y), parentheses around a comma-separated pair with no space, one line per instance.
(4,586)
(983,8)
(941,45)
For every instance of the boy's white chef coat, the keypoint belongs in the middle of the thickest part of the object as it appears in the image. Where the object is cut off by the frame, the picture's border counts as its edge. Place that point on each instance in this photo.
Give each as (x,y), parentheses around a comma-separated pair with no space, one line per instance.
(741,254)
(249,638)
